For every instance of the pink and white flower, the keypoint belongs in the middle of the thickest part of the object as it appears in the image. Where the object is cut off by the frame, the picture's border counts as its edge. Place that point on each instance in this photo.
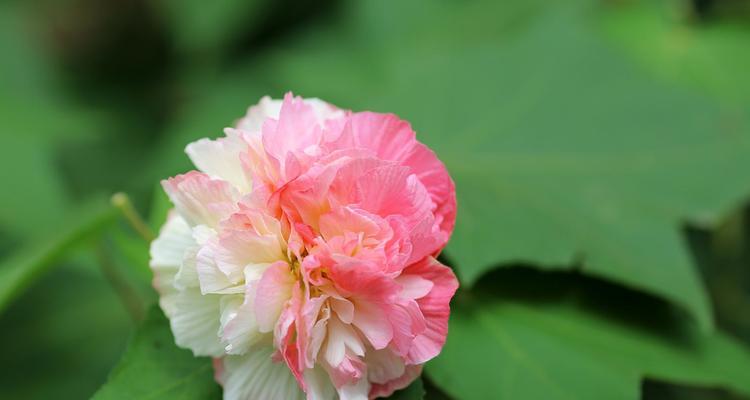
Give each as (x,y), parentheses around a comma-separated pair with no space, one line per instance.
(301,254)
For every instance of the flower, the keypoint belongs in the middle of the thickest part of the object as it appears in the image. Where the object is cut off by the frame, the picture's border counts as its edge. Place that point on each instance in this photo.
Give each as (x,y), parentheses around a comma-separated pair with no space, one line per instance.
(301,254)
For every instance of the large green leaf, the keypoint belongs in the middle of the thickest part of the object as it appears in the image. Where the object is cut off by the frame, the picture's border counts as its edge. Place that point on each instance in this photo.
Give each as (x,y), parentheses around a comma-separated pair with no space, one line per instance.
(560,336)
(153,367)
(63,335)
(724,256)
(710,55)
(564,149)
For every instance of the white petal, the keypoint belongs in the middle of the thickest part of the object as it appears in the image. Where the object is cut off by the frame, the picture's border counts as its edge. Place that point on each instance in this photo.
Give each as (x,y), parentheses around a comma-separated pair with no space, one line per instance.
(274,290)
(164,285)
(238,248)
(202,234)
(319,333)
(221,159)
(168,249)
(167,252)
(254,376)
(319,385)
(324,110)
(343,308)
(212,279)
(341,339)
(357,391)
(266,108)
(383,366)
(200,199)
(187,276)
(270,108)
(239,329)
(195,323)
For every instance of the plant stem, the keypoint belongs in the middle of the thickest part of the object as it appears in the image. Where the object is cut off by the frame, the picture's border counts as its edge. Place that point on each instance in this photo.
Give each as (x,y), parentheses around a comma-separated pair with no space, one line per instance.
(127,294)
(122,202)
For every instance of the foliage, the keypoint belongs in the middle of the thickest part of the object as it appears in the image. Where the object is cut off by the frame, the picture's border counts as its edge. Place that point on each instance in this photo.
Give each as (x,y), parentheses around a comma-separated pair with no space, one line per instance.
(583,136)
(160,369)
(562,336)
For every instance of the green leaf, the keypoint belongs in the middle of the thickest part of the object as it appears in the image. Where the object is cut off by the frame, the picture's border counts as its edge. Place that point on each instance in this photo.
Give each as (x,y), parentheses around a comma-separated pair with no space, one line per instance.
(562,336)
(63,335)
(564,150)
(709,55)
(153,367)
(723,253)
(19,270)
(415,391)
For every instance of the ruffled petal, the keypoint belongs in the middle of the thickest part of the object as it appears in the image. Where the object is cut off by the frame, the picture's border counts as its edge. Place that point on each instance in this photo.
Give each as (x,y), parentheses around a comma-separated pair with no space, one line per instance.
(200,199)
(220,159)
(274,291)
(239,328)
(372,321)
(255,376)
(168,249)
(211,278)
(384,366)
(266,108)
(411,372)
(195,323)
(355,391)
(167,252)
(435,307)
(342,340)
(319,386)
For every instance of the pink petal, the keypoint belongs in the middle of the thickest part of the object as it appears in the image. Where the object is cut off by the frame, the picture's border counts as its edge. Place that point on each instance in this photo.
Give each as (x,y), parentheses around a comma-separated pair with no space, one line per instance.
(274,290)
(411,373)
(372,320)
(435,307)
(200,199)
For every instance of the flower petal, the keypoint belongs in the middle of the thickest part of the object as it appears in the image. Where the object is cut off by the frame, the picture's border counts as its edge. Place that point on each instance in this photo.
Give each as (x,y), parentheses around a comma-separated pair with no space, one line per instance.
(384,365)
(411,372)
(274,291)
(200,199)
(195,323)
(168,249)
(355,391)
(220,159)
(211,278)
(319,386)
(372,321)
(254,375)
(239,329)
(342,339)
(167,252)
(435,307)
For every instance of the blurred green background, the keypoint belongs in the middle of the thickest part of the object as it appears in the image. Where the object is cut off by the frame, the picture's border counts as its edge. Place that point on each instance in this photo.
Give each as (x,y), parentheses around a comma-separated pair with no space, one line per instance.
(601,150)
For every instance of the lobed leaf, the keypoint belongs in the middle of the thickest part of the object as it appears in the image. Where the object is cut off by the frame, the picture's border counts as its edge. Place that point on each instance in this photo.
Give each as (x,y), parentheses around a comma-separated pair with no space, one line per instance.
(153,367)
(562,336)
(565,151)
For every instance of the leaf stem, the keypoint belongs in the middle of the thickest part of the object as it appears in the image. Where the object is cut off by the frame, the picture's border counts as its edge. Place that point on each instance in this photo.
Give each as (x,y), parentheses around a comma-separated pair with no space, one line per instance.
(127,294)
(122,202)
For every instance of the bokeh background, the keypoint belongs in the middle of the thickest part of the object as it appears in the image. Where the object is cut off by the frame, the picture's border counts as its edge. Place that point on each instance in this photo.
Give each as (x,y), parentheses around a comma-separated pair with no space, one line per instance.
(98,97)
